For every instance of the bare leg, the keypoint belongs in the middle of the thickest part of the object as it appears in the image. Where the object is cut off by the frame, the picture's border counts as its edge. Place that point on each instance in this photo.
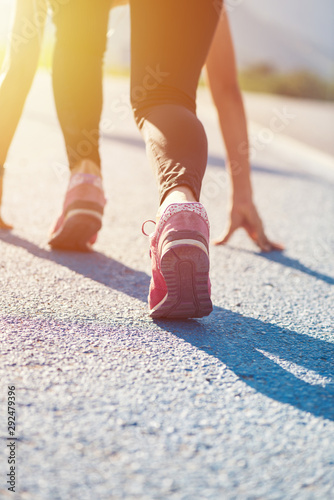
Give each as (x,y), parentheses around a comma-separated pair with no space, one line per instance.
(223,81)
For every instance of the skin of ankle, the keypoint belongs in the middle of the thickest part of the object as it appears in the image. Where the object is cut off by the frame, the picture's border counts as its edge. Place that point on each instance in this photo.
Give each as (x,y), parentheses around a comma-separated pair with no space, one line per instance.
(180,194)
(86,167)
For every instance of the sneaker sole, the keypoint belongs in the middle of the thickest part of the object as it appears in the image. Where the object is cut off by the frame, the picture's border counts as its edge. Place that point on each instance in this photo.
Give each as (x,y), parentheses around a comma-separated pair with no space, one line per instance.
(185,268)
(76,232)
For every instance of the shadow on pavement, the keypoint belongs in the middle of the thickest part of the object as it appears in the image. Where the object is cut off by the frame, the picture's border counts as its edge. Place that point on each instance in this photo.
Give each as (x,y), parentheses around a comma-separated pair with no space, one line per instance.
(95,266)
(281,258)
(247,346)
(217,161)
(237,341)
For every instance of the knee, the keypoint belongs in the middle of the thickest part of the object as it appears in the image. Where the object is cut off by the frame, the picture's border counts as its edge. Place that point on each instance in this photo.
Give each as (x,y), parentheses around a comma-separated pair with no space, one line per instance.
(145,101)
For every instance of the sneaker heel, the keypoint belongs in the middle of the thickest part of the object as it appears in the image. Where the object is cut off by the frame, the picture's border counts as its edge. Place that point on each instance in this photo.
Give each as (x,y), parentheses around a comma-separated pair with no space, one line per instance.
(185,269)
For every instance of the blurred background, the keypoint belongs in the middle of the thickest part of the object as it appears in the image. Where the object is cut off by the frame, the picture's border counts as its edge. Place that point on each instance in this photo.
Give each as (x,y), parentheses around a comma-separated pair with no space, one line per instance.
(283,47)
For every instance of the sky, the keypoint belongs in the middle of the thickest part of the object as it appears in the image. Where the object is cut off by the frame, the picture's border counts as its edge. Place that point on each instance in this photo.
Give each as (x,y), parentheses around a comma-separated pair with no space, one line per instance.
(312,19)
(288,33)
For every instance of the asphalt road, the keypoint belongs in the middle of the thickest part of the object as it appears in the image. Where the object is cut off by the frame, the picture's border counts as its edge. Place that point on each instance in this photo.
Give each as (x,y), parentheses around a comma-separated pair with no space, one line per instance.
(113,405)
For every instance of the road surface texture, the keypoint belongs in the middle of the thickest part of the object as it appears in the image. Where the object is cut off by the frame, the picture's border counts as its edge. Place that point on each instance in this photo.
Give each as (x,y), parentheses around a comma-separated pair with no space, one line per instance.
(114,405)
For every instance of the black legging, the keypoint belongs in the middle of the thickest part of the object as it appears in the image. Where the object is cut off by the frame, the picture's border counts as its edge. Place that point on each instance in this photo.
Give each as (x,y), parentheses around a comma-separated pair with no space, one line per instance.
(81,28)
(170,41)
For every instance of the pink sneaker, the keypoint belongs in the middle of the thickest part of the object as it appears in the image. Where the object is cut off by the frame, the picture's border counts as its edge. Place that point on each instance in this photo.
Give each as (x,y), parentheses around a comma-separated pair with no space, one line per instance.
(180,284)
(81,219)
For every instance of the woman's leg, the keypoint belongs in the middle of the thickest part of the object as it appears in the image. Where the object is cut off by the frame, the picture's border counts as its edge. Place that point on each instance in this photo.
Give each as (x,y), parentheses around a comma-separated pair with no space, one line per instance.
(19,70)
(19,67)
(77,80)
(170,42)
(77,76)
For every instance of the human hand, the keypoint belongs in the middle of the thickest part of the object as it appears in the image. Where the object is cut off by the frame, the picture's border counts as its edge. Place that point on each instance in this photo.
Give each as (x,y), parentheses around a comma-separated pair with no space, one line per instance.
(245,215)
